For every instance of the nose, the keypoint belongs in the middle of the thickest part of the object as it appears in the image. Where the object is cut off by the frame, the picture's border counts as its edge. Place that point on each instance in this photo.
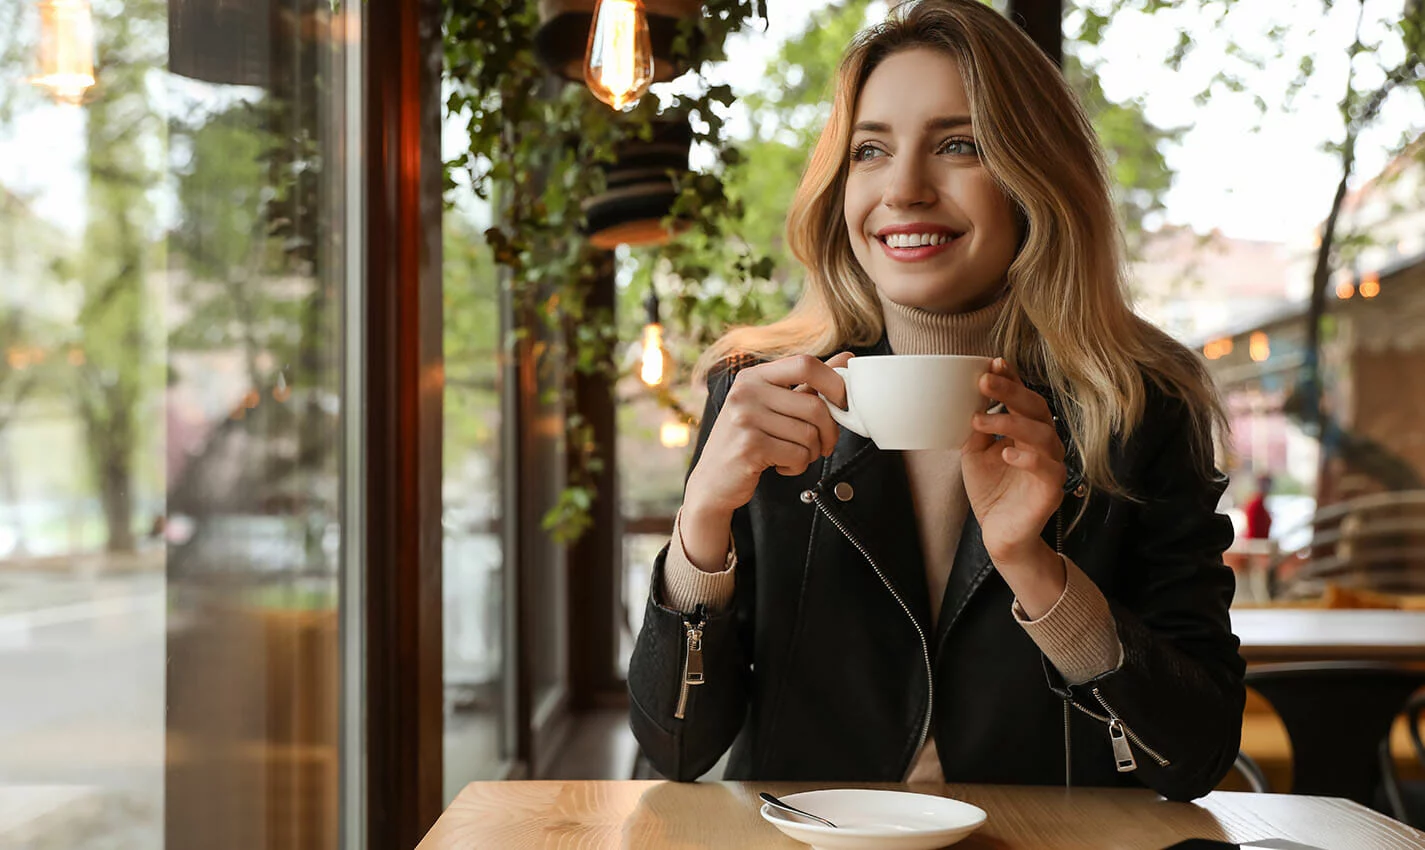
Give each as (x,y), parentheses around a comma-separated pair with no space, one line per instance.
(908,185)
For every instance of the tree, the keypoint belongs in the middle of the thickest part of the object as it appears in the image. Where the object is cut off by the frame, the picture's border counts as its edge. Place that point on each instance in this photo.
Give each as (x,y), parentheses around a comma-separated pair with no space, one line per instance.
(29,364)
(252,275)
(117,260)
(1360,107)
(473,356)
(1385,63)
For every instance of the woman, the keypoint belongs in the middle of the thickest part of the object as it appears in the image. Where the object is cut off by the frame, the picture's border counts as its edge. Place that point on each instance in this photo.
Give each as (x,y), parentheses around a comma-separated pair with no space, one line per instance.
(1047,604)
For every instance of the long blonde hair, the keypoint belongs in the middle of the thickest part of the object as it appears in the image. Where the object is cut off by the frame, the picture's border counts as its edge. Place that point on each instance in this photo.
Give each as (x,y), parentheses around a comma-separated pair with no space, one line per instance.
(1067,321)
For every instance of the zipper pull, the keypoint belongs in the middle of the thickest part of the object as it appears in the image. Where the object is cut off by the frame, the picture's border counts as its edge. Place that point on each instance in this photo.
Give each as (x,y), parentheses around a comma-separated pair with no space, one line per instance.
(1122,752)
(692,660)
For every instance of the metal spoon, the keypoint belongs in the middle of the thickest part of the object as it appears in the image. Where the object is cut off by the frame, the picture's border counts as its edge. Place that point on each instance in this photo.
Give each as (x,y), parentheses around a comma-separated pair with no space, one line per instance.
(773,801)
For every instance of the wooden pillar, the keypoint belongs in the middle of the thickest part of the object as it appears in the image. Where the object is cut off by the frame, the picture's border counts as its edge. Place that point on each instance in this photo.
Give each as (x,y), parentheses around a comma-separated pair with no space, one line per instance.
(403,421)
(1043,21)
(593,560)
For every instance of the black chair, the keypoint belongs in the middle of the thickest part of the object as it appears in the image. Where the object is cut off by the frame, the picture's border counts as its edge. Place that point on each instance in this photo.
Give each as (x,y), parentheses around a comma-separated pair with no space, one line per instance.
(1337,714)
(1252,773)
(1405,801)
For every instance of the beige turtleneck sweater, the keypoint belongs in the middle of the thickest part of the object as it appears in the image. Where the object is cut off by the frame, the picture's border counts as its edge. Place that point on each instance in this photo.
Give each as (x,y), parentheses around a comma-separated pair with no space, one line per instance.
(1078,634)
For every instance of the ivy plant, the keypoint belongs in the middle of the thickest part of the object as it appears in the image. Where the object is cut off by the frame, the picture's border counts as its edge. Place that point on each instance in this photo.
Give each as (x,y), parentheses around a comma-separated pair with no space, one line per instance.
(532,149)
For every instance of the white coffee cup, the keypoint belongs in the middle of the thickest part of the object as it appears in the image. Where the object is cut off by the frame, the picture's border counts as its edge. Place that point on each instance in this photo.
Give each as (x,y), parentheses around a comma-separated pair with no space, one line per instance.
(912,401)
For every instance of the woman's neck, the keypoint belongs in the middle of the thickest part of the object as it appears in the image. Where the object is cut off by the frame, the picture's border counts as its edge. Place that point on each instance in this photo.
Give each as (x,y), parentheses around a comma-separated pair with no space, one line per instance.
(911,330)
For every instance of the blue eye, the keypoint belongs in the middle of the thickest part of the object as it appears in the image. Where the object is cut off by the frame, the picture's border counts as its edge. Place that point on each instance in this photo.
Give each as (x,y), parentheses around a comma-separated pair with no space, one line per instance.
(864,152)
(959,147)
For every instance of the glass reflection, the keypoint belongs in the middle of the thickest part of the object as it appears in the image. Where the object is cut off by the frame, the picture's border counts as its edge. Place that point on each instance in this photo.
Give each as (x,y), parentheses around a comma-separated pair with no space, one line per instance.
(477,689)
(170,415)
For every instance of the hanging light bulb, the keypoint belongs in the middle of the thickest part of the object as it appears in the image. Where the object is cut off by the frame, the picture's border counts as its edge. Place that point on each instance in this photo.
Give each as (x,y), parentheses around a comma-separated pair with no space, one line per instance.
(674,434)
(618,63)
(66,57)
(652,372)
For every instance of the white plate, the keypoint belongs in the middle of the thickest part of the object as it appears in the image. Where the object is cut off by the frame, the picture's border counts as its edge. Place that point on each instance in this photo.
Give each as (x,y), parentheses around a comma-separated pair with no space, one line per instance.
(876,820)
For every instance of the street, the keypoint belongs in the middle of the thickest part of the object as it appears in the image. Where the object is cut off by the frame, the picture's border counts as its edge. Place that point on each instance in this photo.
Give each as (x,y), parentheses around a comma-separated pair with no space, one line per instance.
(82,706)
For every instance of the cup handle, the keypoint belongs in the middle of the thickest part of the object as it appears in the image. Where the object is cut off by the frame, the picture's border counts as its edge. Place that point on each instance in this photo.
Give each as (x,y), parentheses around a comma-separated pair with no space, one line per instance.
(848,418)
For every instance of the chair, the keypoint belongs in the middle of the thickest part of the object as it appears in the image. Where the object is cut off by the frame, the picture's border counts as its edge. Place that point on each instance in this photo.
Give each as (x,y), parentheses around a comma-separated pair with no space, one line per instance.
(1336,715)
(1252,772)
(1405,801)
(1374,543)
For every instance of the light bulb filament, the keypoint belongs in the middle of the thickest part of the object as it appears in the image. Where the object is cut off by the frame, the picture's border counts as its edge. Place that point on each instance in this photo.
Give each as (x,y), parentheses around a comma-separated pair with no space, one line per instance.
(652,372)
(618,63)
(66,56)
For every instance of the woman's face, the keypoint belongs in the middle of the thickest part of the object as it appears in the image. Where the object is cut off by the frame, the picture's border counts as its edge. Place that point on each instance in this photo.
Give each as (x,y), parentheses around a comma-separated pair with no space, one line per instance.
(926,220)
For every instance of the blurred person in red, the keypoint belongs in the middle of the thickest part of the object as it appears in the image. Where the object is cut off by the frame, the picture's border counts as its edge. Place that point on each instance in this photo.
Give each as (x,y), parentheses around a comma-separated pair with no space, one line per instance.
(1259,522)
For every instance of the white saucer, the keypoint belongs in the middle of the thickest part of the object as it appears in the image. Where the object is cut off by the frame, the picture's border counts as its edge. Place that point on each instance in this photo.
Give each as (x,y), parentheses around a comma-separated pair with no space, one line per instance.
(876,820)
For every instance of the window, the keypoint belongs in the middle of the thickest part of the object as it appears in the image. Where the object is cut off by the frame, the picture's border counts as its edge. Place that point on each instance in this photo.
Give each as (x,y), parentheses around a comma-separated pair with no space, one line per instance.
(173,251)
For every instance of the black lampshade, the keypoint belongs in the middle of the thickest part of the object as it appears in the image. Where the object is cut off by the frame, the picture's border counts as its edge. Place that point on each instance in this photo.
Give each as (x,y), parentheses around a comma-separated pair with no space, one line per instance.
(640,191)
(222,41)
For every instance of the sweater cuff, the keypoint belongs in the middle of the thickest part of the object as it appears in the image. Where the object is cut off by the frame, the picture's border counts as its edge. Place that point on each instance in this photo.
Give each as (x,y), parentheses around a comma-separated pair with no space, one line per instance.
(1078,634)
(685,586)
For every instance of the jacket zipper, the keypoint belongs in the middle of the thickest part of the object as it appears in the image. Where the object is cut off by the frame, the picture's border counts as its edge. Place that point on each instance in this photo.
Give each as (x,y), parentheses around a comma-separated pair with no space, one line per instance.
(1117,732)
(1068,739)
(1068,750)
(692,657)
(1162,762)
(924,643)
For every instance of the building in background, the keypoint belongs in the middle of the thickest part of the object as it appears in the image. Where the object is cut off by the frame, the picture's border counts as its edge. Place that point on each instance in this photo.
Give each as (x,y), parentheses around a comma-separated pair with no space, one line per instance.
(1373,354)
(1191,284)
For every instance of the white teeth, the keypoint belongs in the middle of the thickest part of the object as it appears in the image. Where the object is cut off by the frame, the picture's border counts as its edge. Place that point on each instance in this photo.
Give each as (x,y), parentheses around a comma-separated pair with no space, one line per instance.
(916,240)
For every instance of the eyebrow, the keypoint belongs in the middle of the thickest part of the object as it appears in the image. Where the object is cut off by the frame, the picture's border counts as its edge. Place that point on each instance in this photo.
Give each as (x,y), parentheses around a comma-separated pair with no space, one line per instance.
(948,122)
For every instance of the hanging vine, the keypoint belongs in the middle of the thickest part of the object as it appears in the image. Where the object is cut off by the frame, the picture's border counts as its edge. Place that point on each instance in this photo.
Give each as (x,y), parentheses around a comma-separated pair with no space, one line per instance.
(532,150)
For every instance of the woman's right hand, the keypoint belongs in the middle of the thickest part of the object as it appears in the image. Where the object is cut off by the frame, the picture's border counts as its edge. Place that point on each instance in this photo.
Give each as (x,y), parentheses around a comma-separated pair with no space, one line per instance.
(771,417)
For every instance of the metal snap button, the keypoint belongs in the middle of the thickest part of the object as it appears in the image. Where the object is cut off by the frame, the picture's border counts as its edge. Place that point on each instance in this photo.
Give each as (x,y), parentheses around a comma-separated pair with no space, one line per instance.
(1081,490)
(808,497)
(844,492)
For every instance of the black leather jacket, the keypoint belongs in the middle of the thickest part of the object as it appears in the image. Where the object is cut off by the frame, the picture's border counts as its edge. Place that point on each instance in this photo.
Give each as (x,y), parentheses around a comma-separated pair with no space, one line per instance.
(824,668)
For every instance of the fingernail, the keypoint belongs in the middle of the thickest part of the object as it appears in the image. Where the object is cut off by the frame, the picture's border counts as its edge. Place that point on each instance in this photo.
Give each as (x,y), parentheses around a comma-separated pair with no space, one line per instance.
(999,362)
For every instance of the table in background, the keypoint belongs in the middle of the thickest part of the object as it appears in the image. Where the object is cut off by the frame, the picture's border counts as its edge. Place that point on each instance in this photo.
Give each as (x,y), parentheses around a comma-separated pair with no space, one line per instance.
(1323,634)
(593,815)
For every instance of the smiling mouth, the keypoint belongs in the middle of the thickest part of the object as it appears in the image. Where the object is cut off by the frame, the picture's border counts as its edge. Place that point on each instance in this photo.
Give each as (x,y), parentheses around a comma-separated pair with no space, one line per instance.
(916,246)
(916,240)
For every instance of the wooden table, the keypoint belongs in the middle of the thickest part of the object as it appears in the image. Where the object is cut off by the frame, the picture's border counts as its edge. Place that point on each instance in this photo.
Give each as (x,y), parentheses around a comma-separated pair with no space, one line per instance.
(1318,634)
(592,815)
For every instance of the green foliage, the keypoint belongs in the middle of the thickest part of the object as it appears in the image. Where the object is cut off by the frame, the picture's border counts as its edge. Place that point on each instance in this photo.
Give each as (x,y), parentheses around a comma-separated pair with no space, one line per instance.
(119,255)
(221,191)
(472,351)
(1134,146)
(1386,61)
(238,250)
(532,145)
(788,112)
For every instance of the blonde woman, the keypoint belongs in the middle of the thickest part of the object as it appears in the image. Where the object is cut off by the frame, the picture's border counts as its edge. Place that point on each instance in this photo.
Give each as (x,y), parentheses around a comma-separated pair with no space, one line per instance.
(1046,605)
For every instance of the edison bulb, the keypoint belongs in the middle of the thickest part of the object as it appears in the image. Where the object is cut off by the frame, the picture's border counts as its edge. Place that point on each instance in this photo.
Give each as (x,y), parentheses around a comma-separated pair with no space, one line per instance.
(652,372)
(618,63)
(66,56)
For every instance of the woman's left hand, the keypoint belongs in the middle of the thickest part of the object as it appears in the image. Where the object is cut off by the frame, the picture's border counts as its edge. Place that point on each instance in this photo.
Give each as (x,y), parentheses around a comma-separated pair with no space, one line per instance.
(1016,483)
